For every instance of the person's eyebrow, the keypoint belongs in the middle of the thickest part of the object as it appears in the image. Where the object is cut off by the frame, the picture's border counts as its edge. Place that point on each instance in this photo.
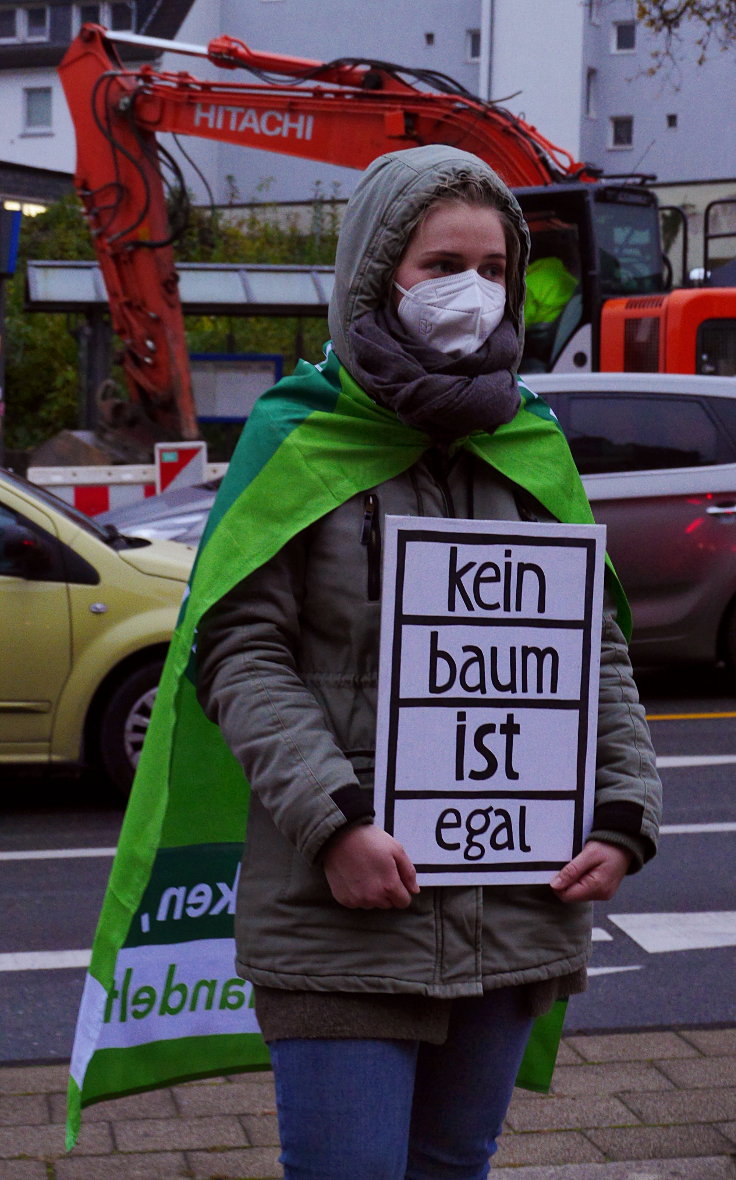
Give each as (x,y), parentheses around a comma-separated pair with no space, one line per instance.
(448,252)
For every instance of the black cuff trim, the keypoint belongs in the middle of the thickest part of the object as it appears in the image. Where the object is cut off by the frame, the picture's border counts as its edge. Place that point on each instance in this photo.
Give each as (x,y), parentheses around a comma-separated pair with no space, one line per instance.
(620,816)
(353,802)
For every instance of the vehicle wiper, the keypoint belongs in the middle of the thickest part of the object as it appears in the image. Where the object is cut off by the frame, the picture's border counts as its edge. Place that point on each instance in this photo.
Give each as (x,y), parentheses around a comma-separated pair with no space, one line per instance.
(118,540)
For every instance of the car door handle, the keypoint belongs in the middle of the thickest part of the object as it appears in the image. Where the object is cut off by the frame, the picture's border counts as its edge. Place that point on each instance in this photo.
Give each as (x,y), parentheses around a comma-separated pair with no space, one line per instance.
(722,510)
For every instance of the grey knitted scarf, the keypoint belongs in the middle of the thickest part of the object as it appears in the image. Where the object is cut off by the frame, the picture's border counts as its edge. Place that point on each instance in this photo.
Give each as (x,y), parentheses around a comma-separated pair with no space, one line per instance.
(445,396)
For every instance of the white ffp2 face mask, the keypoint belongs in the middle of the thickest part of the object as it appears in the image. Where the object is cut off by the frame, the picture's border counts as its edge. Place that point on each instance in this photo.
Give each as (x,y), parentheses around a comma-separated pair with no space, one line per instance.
(453,313)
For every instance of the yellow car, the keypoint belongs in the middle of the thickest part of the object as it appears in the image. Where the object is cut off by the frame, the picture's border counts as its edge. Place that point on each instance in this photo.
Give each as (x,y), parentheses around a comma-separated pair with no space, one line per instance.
(85,620)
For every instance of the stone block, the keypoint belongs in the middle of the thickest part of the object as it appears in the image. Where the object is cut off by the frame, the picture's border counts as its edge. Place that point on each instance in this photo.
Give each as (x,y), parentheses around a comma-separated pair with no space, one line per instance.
(33,1079)
(23,1109)
(48,1141)
(657,1143)
(257,1163)
(153,1104)
(702,1168)
(238,1098)
(182,1134)
(714,1042)
(262,1130)
(24,1170)
(558,1147)
(618,1077)
(169,1165)
(701,1073)
(640,1046)
(558,1114)
(684,1106)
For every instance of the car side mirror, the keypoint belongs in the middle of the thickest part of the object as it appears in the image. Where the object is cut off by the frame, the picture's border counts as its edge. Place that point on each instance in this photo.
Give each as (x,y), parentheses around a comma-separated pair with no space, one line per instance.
(28,555)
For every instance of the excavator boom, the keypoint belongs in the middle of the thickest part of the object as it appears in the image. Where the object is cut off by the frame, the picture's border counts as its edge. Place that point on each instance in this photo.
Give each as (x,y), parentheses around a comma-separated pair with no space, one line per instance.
(345,112)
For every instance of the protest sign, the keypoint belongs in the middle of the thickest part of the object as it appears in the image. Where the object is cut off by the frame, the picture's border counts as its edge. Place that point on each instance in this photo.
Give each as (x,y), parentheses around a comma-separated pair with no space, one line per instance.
(490,653)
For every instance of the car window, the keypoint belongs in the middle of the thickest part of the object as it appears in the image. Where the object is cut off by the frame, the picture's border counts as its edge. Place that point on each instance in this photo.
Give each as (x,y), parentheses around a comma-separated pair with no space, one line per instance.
(43,561)
(724,409)
(8,521)
(51,501)
(616,432)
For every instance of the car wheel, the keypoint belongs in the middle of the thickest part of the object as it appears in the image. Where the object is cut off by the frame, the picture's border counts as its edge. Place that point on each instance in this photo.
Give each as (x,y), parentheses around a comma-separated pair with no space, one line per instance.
(125,722)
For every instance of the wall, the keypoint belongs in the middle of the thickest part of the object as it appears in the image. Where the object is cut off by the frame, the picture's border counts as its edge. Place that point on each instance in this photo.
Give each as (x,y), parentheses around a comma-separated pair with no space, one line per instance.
(537,50)
(54,149)
(702,146)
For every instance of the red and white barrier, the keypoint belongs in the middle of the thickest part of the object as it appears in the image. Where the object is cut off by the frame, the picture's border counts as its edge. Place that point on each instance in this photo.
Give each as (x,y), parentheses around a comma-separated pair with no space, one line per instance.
(98,489)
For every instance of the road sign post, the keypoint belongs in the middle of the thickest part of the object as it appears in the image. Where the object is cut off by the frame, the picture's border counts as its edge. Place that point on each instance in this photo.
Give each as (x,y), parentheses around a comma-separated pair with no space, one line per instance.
(180,465)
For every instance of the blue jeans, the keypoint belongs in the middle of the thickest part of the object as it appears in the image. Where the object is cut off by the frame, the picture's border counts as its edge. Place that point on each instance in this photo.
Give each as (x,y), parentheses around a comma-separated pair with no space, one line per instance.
(401,1110)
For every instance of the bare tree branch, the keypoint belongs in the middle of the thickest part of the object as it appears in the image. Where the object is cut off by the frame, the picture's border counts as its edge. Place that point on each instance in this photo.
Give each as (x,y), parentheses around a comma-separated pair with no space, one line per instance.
(713,21)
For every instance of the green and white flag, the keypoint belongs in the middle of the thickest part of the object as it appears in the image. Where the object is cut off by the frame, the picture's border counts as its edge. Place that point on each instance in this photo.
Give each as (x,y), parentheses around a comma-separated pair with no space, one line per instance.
(161,1002)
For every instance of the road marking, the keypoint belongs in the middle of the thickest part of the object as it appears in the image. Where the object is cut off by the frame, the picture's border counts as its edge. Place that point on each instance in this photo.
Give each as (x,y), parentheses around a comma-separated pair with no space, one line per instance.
(687,716)
(43,960)
(694,829)
(660,933)
(611,970)
(655,933)
(670,760)
(57,853)
(74,853)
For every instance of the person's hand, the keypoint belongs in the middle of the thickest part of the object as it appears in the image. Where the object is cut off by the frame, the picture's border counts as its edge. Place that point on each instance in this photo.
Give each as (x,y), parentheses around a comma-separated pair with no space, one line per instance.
(595,873)
(367,869)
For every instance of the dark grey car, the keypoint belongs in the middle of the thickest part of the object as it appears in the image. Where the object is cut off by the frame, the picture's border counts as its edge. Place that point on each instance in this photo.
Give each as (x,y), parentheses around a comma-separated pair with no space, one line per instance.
(657,453)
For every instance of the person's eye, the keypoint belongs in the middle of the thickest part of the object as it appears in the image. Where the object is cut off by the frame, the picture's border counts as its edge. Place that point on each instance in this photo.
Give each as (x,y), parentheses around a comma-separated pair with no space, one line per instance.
(495,271)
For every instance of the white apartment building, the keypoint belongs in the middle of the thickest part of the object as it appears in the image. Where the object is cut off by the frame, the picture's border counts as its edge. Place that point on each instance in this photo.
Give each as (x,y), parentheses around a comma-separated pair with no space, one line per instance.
(576,69)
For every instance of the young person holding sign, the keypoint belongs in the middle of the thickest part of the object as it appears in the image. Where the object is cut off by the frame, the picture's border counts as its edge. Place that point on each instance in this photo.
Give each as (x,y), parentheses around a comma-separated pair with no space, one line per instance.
(397,1016)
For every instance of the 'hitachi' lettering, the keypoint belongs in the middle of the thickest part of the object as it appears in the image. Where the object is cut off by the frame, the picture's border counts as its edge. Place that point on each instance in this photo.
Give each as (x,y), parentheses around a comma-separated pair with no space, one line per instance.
(219,116)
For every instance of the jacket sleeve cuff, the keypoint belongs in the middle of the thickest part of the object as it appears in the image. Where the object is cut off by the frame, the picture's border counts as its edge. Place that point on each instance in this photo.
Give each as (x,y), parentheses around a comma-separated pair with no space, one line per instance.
(620,822)
(356,809)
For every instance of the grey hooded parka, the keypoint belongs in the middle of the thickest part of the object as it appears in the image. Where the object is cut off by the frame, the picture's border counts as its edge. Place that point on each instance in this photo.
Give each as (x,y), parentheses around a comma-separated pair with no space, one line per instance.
(287,666)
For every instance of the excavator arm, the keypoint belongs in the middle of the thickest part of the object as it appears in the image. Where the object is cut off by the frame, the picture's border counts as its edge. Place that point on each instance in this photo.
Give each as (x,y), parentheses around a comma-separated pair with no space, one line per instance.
(344,112)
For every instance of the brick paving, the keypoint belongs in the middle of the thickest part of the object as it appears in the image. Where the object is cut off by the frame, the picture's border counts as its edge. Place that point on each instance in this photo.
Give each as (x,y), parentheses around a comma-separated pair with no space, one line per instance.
(628,1106)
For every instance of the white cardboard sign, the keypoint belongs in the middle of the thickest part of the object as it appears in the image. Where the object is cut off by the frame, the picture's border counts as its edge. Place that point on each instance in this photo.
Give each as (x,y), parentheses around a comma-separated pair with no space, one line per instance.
(488,691)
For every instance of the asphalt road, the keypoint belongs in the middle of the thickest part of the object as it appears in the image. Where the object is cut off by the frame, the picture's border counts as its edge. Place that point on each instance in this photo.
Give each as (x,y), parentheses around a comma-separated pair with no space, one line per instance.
(664,946)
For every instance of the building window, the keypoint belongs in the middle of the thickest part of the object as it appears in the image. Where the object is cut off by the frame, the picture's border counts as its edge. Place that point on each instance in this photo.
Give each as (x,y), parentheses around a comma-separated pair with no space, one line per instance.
(472,44)
(118,16)
(591,87)
(622,131)
(122,17)
(37,108)
(89,14)
(37,23)
(624,36)
(429,38)
(25,24)
(672,120)
(8,24)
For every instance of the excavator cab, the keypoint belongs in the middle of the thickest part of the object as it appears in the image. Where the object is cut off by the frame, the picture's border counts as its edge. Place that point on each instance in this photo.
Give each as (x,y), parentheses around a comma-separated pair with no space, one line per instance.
(588,243)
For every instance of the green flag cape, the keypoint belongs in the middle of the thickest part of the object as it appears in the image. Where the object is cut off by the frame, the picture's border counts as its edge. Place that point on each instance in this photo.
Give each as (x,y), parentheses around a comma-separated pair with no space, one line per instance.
(161,1002)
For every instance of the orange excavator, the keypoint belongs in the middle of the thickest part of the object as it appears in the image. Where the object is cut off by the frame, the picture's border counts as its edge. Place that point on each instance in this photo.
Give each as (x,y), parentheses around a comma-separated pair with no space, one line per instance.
(614,308)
